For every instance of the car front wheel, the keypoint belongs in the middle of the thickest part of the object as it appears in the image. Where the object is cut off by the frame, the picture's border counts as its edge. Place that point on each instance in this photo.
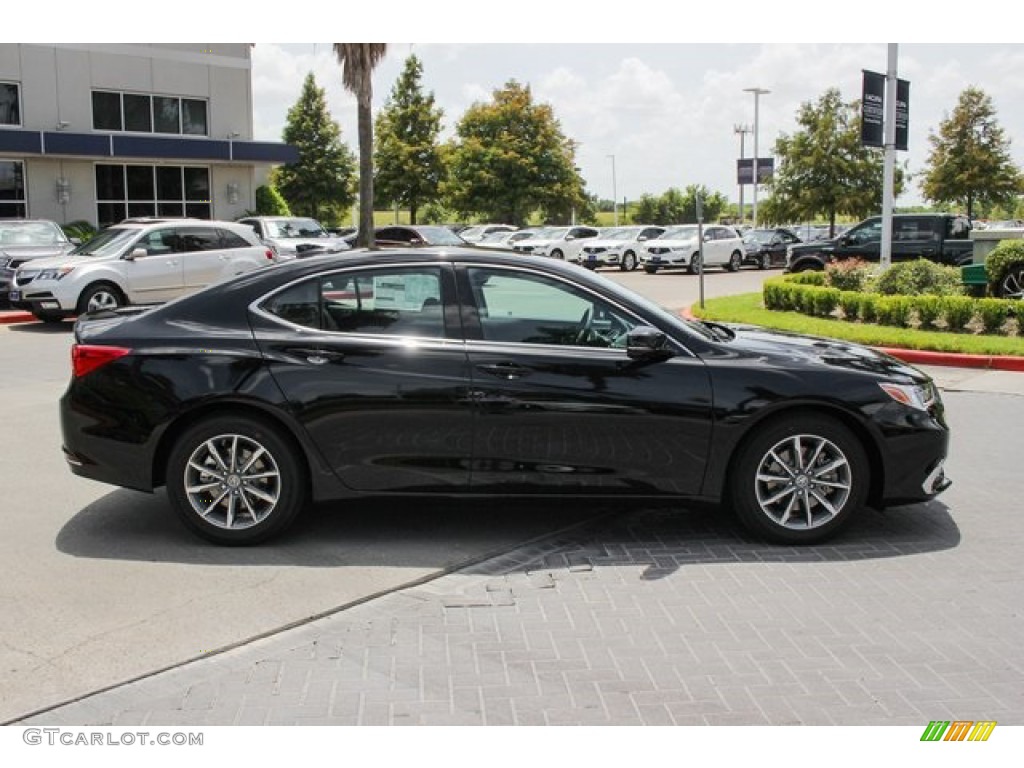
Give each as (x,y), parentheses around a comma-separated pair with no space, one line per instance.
(98,297)
(694,266)
(799,480)
(628,263)
(735,260)
(235,480)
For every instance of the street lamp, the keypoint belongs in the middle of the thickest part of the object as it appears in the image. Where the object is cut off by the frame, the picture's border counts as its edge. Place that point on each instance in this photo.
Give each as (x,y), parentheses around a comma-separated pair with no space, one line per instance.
(615,194)
(742,130)
(757,158)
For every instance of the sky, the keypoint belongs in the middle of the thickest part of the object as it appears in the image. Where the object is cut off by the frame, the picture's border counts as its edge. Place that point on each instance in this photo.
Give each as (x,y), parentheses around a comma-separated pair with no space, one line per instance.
(666,112)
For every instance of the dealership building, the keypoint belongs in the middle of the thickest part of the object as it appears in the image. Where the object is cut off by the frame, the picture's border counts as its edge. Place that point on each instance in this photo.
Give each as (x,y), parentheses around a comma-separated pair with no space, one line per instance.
(110,131)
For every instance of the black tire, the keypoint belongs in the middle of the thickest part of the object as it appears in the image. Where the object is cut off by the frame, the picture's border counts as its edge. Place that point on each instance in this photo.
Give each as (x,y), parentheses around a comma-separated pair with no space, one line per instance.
(99,296)
(694,266)
(795,507)
(1012,284)
(557,254)
(628,263)
(762,261)
(49,317)
(735,261)
(254,498)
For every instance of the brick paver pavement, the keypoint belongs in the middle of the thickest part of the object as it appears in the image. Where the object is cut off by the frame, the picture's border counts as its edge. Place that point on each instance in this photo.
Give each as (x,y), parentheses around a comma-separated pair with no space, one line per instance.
(655,616)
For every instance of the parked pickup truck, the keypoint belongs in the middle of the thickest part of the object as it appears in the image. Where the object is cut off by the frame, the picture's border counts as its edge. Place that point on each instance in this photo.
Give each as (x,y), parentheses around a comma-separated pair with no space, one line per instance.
(940,237)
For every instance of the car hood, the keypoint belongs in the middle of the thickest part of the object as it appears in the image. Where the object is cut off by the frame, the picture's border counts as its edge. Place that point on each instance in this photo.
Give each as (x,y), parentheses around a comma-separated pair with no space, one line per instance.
(535,242)
(67,260)
(610,243)
(27,252)
(796,350)
(659,243)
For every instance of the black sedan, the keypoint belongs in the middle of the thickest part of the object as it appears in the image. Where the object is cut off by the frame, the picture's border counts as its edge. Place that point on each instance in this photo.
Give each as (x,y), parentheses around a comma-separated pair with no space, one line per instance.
(432,371)
(767,247)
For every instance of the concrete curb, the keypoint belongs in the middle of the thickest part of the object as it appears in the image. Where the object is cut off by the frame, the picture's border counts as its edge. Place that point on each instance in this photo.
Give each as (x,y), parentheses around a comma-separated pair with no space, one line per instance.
(925,357)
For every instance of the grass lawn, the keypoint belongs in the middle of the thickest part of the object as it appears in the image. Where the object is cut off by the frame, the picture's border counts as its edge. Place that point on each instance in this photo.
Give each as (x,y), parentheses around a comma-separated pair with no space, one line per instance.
(749,308)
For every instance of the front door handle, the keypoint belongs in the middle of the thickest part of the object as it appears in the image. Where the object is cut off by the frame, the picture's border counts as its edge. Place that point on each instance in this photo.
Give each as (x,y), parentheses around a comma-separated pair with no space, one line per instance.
(508,371)
(317,356)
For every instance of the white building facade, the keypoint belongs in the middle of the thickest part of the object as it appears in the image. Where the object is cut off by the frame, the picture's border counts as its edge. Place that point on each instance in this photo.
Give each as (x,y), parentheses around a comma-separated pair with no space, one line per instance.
(104,132)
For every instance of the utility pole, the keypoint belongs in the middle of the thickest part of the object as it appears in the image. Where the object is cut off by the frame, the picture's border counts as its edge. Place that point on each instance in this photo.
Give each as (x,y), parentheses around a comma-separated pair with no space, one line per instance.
(758,92)
(889,162)
(742,130)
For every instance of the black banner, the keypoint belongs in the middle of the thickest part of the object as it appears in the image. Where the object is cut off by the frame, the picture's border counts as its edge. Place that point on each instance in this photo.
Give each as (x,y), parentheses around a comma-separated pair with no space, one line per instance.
(902,113)
(872,110)
(765,170)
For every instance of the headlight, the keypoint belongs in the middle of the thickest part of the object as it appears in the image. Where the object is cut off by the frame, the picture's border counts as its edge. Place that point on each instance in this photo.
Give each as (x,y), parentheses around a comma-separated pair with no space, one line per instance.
(919,396)
(55,273)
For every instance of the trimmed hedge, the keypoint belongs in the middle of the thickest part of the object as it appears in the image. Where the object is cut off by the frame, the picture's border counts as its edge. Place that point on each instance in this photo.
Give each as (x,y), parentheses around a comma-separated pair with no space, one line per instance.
(797,293)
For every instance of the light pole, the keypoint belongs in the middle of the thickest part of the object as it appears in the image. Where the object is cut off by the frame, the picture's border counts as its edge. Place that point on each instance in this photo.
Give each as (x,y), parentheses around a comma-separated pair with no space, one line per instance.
(615,194)
(757,158)
(742,130)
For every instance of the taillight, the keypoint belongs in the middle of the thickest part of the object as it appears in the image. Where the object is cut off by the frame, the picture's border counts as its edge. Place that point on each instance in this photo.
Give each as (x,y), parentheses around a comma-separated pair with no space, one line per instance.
(88,357)
(269,254)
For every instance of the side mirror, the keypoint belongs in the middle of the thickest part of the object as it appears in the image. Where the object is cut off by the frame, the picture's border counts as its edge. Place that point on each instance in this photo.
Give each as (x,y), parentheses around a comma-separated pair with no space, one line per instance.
(570,237)
(136,253)
(76,241)
(647,344)
(641,238)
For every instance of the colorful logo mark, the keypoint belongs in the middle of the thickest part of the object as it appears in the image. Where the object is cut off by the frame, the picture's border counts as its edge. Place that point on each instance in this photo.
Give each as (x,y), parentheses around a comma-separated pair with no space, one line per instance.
(958,730)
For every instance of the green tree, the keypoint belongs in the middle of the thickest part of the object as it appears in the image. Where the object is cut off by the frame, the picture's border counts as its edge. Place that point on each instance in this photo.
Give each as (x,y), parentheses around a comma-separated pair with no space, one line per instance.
(269,202)
(712,204)
(408,160)
(823,168)
(970,158)
(646,211)
(357,61)
(510,159)
(323,175)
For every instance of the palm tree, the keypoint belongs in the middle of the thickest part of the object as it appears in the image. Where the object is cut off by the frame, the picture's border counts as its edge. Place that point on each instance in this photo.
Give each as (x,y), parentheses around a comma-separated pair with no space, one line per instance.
(357,62)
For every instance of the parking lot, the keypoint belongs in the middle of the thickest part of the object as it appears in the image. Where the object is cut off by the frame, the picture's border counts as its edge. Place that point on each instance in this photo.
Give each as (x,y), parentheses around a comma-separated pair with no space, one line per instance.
(525,614)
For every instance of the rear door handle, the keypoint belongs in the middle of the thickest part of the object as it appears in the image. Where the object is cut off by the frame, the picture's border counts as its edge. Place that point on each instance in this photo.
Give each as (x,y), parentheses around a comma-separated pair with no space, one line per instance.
(506,371)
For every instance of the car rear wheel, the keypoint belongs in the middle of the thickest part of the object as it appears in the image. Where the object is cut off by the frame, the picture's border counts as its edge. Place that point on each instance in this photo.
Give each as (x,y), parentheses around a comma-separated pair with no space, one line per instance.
(98,297)
(557,254)
(235,480)
(799,480)
(762,261)
(735,260)
(628,263)
(1012,284)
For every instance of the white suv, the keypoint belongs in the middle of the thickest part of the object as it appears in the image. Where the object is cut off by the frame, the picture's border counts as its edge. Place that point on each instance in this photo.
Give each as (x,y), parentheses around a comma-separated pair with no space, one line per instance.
(679,247)
(137,263)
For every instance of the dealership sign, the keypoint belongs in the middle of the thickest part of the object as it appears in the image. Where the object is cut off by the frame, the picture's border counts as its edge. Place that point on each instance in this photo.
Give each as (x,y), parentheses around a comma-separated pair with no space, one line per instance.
(872,111)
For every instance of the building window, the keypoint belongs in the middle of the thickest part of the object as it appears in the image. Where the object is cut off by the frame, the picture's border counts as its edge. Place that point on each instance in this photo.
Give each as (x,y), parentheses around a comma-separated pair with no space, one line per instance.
(132,191)
(10,104)
(12,190)
(140,113)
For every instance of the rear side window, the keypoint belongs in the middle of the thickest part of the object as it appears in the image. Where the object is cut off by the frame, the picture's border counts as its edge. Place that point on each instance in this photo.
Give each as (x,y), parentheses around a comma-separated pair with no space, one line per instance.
(200,239)
(231,240)
(391,302)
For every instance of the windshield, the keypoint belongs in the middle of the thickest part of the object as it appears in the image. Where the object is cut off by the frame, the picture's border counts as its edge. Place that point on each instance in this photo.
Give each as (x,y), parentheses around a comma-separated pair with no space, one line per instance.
(622,233)
(760,236)
(496,237)
(30,233)
(294,228)
(679,233)
(440,236)
(109,242)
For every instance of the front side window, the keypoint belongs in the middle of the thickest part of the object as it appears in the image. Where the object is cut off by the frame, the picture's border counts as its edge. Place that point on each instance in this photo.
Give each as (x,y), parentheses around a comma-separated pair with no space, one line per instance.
(12,190)
(391,302)
(10,104)
(869,233)
(523,308)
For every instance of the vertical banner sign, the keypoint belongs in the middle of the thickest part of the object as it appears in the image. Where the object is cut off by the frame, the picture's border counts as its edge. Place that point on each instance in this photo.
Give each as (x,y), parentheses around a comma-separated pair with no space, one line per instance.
(902,113)
(765,170)
(872,110)
(745,171)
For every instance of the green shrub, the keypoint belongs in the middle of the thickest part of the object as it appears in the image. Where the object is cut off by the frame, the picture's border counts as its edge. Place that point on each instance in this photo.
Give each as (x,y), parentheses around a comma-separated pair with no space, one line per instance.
(914,278)
(929,309)
(893,310)
(80,230)
(847,274)
(849,302)
(809,277)
(866,309)
(1004,257)
(958,311)
(825,301)
(993,313)
(269,202)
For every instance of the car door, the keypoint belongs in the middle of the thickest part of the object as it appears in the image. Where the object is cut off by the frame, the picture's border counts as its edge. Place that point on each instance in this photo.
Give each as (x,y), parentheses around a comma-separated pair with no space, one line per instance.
(157,275)
(372,363)
(560,407)
(717,246)
(204,259)
(863,241)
